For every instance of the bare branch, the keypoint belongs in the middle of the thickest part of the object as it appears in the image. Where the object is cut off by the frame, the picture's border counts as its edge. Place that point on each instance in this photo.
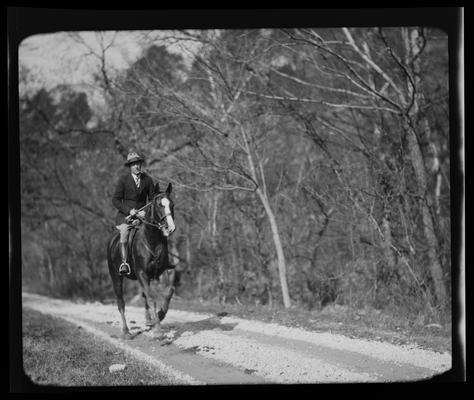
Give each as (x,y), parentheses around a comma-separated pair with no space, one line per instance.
(373,65)
(306,100)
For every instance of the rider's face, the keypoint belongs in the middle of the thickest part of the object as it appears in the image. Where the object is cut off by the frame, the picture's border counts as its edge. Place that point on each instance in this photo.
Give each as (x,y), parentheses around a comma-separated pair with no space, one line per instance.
(136,167)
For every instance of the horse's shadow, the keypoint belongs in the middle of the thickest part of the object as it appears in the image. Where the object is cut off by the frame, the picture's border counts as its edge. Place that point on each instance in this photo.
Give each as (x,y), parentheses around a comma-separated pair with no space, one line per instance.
(174,330)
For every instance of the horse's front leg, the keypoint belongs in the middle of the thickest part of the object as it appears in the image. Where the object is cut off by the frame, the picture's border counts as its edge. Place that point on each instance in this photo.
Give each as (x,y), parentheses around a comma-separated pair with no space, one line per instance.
(168,295)
(161,313)
(149,298)
(144,282)
(149,321)
(118,288)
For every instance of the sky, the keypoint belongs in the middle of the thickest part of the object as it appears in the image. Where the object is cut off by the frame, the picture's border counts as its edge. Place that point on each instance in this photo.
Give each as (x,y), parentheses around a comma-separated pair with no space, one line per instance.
(57,58)
(72,57)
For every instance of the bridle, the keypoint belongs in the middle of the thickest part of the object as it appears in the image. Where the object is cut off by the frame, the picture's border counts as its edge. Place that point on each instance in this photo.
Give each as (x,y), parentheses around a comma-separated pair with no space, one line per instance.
(159,225)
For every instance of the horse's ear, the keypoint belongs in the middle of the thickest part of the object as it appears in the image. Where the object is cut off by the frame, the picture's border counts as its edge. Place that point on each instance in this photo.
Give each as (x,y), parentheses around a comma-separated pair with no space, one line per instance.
(169,188)
(156,190)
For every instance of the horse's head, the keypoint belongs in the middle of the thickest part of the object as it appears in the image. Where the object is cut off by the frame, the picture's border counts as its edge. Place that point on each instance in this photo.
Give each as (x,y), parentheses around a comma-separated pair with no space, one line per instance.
(162,210)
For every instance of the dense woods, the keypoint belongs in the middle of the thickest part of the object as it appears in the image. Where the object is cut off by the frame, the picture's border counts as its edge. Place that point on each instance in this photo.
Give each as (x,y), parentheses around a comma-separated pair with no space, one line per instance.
(310,167)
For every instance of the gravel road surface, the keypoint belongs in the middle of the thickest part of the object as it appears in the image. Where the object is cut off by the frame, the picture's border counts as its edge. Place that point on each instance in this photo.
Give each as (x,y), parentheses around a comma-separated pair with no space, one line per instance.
(202,349)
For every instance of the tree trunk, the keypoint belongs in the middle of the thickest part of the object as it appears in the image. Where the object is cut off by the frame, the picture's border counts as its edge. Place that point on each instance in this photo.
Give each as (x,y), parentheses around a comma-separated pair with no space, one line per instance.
(278,247)
(174,252)
(262,194)
(199,283)
(218,259)
(417,161)
(387,244)
(435,268)
(50,270)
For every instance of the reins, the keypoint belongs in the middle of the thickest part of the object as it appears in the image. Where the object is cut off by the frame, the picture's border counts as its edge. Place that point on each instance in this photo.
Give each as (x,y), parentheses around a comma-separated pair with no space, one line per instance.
(159,226)
(140,209)
(143,220)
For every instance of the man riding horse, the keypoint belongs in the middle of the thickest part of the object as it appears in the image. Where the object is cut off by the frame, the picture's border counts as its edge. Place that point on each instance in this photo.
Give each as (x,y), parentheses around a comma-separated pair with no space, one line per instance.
(132,192)
(139,202)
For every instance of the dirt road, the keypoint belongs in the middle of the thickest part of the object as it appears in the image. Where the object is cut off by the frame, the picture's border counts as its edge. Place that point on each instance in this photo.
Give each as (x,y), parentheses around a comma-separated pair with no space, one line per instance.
(203,349)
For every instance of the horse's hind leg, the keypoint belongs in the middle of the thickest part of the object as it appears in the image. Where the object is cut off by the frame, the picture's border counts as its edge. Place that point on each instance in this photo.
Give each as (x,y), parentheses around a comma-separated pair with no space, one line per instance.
(169,294)
(148,319)
(117,281)
(118,288)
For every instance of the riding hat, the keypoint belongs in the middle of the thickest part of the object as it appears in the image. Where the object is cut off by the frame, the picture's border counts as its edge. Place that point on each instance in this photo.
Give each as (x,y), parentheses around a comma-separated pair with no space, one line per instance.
(133,157)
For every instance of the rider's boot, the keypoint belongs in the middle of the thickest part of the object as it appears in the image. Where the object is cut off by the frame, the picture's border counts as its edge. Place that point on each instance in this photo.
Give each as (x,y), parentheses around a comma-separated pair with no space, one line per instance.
(124,267)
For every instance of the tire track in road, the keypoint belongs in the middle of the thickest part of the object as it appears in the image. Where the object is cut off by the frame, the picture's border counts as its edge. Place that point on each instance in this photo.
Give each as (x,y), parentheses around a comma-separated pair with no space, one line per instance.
(276,363)
(206,349)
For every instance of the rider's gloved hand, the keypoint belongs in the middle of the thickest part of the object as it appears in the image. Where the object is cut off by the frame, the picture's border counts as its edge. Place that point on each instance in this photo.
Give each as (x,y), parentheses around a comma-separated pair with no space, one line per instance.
(133,212)
(141,214)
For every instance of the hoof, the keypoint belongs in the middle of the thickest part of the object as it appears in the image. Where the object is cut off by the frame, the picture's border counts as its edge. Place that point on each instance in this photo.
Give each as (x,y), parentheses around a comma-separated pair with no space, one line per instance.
(127,336)
(150,323)
(166,342)
(157,335)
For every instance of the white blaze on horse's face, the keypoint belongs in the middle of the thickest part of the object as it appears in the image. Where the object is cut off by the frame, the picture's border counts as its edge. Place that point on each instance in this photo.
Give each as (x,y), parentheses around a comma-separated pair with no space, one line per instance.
(169,218)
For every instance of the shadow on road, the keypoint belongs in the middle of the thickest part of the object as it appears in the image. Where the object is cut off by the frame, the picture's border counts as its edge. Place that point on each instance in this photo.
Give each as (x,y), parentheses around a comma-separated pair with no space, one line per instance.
(207,324)
(173,331)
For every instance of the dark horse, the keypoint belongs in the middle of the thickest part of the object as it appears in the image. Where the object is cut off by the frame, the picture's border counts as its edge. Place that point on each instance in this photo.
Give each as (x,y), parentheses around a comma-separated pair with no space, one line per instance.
(148,259)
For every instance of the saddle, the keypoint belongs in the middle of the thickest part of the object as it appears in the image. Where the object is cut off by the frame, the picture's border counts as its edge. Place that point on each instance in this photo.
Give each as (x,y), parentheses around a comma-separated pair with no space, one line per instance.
(130,239)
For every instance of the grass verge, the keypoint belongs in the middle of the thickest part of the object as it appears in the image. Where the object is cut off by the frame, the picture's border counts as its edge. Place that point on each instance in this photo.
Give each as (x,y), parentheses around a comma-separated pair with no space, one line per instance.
(59,354)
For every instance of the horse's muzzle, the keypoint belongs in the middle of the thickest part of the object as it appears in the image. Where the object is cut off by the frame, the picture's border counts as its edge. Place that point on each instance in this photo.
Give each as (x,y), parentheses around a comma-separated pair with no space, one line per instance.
(168,232)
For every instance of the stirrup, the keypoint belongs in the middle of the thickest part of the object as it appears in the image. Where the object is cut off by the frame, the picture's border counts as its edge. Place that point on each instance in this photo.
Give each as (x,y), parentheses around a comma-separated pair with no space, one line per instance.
(124,269)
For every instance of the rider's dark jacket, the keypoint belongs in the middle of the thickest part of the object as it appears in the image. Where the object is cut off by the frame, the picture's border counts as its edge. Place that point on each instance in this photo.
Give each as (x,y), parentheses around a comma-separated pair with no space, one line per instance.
(127,196)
